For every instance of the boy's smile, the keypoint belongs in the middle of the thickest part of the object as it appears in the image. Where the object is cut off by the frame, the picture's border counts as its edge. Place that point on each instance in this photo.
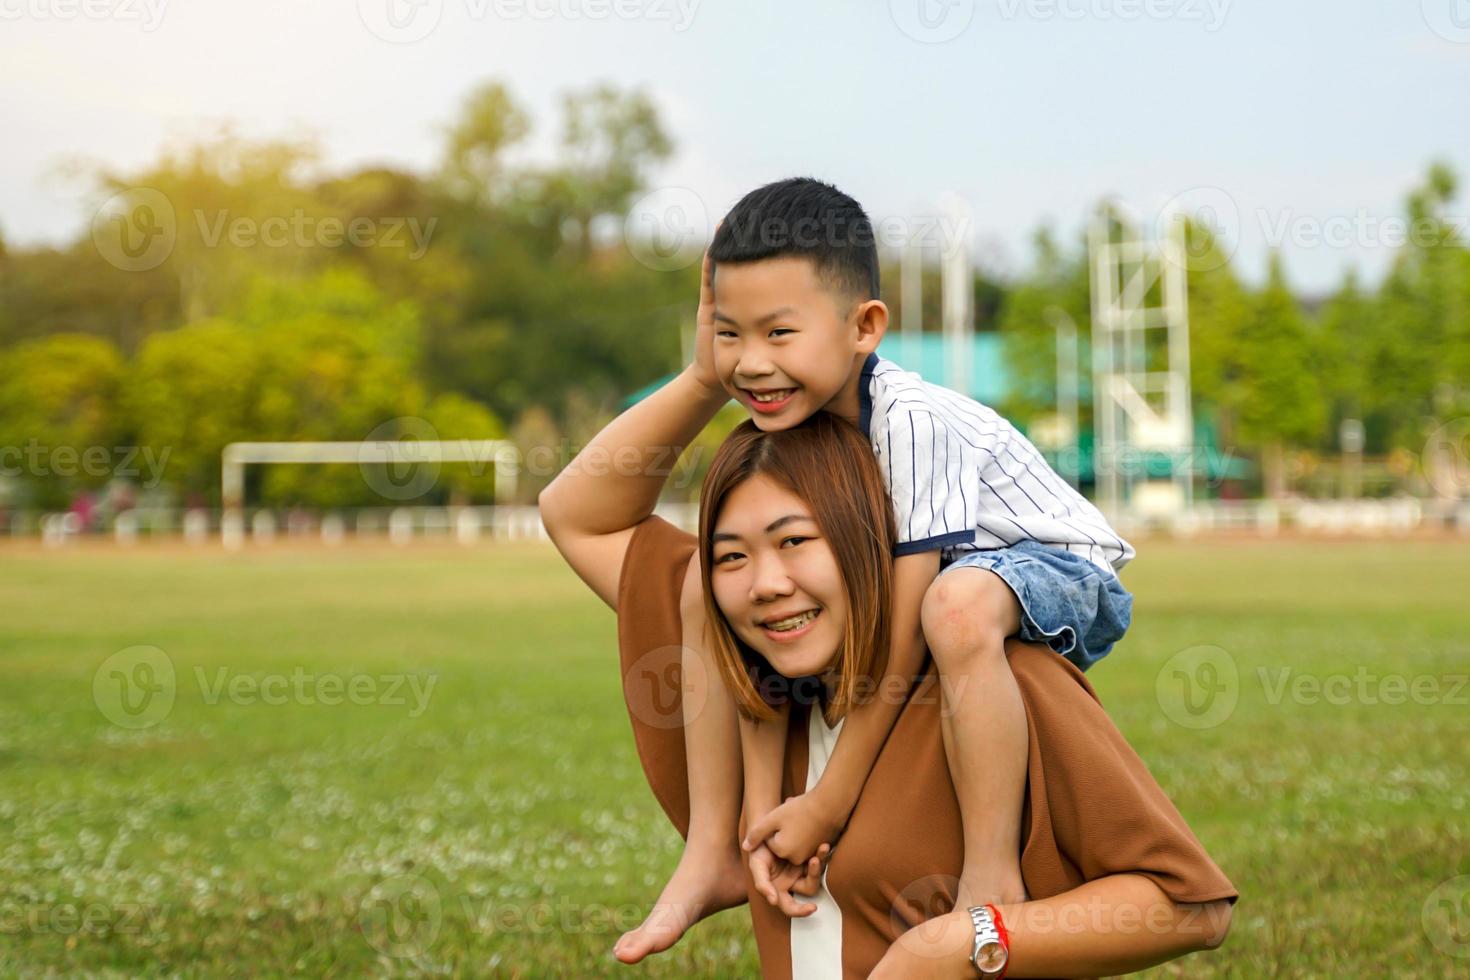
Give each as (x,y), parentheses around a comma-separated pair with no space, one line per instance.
(769,400)
(783,347)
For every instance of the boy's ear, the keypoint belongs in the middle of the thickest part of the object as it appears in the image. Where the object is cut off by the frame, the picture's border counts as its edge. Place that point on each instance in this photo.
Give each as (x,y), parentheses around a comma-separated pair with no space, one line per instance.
(872,324)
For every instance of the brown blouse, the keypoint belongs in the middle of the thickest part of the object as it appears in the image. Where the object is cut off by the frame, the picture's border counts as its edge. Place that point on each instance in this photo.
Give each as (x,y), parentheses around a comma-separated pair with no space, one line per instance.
(1092,808)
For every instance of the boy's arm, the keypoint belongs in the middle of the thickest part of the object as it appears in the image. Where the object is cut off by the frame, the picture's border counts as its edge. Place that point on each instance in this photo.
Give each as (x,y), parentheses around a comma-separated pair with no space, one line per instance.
(795,829)
(868,725)
(763,747)
(614,482)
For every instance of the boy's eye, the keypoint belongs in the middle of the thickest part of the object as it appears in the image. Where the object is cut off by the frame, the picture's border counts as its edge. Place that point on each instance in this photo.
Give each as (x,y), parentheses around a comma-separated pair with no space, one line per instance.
(725,333)
(781,330)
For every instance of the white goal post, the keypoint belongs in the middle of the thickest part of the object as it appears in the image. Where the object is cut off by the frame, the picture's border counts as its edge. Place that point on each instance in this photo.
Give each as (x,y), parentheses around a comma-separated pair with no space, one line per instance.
(405,452)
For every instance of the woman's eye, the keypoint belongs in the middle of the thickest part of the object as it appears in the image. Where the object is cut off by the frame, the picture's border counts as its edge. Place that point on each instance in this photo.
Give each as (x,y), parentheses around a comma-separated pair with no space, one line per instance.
(727,556)
(793,538)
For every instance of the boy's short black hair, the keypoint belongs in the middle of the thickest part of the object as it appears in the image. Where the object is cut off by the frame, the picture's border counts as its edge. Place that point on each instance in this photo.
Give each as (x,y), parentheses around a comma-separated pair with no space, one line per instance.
(803,216)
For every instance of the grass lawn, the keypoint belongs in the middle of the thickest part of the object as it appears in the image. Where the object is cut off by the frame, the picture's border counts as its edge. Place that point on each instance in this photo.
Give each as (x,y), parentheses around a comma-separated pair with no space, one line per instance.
(416,762)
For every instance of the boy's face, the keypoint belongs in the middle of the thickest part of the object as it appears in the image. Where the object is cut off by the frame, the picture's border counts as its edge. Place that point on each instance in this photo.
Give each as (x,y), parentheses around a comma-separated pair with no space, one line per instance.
(784,345)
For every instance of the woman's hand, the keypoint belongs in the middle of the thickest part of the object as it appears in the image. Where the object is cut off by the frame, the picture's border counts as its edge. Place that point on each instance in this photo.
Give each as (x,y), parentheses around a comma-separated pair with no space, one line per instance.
(935,948)
(794,829)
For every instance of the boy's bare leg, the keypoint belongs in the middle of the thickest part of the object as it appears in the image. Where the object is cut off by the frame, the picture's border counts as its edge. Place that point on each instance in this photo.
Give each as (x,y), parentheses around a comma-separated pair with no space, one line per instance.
(711,873)
(967,615)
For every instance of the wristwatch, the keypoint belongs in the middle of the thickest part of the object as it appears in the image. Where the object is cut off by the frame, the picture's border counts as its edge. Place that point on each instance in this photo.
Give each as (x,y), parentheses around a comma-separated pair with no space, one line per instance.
(992,949)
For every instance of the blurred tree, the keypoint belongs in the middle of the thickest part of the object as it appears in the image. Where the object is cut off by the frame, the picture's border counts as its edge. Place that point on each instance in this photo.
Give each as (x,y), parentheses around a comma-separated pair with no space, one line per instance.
(1348,330)
(1272,379)
(543,451)
(610,142)
(60,428)
(240,208)
(1420,355)
(191,392)
(1055,286)
(383,324)
(45,291)
(453,416)
(411,258)
(474,165)
(544,313)
(323,378)
(509,287)
(1219,307)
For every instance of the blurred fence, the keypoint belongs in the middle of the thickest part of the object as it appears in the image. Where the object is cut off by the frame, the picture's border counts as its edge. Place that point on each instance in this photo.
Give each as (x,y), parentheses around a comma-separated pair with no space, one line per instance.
(504,522)
(398,525)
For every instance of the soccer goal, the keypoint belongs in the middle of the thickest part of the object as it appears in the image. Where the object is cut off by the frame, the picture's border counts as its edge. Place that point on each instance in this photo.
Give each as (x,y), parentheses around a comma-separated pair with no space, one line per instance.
(411,470)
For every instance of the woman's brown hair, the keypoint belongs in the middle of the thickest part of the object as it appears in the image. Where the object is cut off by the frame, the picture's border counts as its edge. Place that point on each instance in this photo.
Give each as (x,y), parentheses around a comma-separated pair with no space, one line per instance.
(828,463)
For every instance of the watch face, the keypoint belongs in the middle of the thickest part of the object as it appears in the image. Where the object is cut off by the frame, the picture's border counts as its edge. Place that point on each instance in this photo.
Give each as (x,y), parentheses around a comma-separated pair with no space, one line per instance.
(991,957)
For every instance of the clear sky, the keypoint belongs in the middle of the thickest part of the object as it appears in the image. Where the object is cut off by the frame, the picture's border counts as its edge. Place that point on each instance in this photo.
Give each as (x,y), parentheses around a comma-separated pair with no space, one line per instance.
(1306,121)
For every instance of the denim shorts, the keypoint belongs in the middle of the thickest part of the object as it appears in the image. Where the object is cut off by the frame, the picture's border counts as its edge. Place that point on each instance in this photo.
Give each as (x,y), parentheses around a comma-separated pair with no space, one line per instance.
(1067,602)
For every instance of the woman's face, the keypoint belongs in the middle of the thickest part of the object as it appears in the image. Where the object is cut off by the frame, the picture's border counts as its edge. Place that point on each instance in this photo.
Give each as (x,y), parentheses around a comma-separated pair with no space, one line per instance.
(776,580)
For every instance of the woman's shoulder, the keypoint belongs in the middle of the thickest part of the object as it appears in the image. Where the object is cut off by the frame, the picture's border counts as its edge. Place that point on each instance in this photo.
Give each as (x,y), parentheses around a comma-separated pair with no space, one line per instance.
(653,566)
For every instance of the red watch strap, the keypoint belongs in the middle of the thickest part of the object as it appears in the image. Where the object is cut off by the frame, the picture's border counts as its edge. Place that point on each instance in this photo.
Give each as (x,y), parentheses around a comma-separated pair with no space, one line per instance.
(1005,938)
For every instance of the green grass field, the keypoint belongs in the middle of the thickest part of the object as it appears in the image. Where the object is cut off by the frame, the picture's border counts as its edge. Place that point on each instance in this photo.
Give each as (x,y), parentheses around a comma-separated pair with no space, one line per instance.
(473,806)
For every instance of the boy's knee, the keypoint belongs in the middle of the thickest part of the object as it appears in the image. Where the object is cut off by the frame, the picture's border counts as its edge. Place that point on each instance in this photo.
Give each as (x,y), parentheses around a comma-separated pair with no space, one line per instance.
(967,613)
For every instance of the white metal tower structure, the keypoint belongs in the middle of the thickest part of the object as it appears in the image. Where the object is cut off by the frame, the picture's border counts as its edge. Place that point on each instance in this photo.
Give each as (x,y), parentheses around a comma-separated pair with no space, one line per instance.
(957,291)
(1140,369)
(911,299)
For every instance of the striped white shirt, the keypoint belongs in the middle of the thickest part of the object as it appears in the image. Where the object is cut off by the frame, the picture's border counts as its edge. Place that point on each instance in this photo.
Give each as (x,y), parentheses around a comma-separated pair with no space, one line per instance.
(962,478)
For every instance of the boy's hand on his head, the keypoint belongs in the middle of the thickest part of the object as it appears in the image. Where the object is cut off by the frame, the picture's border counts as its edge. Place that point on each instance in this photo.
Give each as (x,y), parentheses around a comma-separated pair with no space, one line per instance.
(794,830)
(703,366)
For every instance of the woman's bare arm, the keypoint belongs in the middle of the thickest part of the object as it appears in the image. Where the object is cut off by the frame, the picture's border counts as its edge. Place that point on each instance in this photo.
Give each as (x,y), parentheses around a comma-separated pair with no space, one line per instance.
(1114,925)
(592,506)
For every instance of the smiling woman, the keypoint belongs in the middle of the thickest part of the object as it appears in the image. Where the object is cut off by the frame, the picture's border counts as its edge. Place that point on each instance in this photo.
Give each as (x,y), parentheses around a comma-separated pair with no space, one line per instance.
(789,576)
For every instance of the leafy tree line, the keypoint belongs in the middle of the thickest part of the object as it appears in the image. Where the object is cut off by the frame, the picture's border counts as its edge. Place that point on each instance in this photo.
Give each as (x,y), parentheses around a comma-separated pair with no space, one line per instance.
(510,306)
(1276,377)
(505,307)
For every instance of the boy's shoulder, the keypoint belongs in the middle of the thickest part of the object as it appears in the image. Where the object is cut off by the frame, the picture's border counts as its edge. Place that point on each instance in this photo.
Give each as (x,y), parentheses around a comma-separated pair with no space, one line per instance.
(894,395)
